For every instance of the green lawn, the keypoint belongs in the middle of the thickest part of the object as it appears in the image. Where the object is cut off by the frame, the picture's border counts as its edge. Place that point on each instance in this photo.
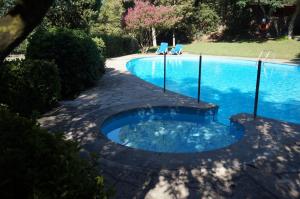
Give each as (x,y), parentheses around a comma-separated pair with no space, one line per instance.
(284,49)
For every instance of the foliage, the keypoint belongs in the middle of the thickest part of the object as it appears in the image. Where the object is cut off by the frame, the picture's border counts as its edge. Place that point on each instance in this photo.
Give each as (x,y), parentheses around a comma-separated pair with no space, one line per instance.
(271,3)
(109,21)
(190,25)
(236,15)
(78,14)
(267,8)
(144,16)
(239,25)
(30,86)
(116,45)
(37,164)
(5,5)
(79,62)
(187,26)
(206,20)
(21,49)
(100,45)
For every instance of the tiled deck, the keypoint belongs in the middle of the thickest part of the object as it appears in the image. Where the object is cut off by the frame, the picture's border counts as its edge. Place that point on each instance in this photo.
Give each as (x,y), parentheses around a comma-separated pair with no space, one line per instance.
(265,164)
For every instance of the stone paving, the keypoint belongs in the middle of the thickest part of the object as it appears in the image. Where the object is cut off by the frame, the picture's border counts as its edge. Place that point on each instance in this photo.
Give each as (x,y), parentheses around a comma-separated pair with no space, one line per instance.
(264,164)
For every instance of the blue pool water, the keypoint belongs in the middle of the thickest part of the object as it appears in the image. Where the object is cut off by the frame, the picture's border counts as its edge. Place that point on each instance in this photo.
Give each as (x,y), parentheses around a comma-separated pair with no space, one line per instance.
(175,130)
(228,83)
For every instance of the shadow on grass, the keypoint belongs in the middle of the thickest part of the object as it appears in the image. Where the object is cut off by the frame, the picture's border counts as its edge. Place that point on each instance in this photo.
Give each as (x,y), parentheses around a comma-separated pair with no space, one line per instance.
(251,40)
(240,40)
(246,38)
(296,60)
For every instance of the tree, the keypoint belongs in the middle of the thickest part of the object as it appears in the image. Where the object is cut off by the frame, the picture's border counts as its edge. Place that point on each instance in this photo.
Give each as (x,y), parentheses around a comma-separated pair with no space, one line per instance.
(293,19)
(184,10)
(19,22)
(74,14)
(273,5)
(197,17)
(110,18)
(206,20)
(144,19)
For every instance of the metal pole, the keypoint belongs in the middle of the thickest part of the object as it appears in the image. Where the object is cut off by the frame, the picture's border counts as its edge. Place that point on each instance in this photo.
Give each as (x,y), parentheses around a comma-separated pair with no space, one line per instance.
(257,88)
(165,55)
(199,77)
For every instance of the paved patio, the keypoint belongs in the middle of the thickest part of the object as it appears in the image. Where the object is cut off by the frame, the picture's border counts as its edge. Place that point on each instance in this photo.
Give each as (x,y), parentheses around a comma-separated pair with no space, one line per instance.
(264,164)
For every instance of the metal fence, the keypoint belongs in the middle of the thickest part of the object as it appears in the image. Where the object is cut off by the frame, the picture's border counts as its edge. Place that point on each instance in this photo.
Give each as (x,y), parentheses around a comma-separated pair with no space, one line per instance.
(199,82)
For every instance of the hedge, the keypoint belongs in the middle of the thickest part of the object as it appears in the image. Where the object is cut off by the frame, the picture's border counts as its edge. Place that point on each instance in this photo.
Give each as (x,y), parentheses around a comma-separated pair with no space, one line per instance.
(37,164)
(29,86)
(78,59)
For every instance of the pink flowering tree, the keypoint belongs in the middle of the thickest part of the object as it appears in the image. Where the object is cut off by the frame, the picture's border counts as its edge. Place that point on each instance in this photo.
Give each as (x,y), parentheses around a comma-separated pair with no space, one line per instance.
(145,20)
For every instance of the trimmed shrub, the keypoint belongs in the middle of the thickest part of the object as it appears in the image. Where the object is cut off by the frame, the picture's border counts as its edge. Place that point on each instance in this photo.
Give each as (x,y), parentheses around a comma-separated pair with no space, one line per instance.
(29,86)
(37,164)
(79,62)
(119,45)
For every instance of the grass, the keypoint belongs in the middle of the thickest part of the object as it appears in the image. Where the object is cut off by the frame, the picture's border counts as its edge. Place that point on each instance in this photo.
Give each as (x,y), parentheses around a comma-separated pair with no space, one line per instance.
(281,49)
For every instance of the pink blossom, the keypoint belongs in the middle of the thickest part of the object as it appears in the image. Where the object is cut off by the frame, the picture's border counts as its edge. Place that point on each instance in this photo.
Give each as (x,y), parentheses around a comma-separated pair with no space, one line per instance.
(145,15)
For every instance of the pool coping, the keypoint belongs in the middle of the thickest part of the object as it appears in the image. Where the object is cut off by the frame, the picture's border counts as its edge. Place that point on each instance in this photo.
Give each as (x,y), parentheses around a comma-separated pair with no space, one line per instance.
(275,61)
(114,152)
(241,150)
(266,164)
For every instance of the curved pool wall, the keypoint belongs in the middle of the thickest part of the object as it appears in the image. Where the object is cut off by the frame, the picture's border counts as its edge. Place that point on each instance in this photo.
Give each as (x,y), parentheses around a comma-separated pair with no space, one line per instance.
(229,83)
(170,130)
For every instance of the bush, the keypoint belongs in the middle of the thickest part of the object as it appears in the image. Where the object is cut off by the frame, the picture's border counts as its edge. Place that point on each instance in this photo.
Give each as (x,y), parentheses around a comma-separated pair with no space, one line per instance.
(29,86)
(119,45)
(79,62)
(37,164)
(100,45)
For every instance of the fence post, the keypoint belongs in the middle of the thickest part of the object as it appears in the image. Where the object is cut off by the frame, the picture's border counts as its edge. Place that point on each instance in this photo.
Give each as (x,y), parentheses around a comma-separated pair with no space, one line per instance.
(257,88)
(165,57)
(199,77)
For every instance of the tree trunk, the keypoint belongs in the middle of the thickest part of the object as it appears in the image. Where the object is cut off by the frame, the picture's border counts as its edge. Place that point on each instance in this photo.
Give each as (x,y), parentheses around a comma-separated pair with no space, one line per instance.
(262,8)
(154,37)
(275,22)
(293,19)
(19,22)
(174,39)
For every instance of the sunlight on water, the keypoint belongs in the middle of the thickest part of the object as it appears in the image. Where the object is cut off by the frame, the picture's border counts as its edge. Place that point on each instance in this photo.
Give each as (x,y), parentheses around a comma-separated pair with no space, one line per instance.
(228,83)
(170,130)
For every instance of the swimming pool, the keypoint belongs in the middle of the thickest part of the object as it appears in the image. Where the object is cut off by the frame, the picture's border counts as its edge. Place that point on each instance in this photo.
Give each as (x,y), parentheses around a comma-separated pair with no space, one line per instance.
(229,83)
(170,129)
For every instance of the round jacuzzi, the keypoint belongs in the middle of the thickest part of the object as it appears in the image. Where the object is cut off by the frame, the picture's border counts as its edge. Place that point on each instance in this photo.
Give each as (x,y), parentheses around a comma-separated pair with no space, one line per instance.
(170,129)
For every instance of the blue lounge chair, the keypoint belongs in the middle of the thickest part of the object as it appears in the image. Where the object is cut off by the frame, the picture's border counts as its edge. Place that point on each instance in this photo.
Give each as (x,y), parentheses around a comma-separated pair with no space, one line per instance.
(163,49)
(177,50)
